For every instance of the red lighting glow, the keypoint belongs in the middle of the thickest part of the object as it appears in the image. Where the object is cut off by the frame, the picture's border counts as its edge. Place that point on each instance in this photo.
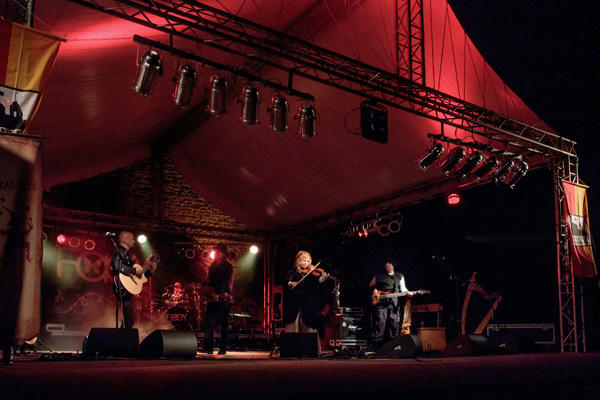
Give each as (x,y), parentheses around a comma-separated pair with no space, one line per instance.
(61,239)
(453,199)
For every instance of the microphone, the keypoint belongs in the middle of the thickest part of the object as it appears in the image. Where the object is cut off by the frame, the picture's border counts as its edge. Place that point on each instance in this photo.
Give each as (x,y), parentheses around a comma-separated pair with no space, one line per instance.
(109,234)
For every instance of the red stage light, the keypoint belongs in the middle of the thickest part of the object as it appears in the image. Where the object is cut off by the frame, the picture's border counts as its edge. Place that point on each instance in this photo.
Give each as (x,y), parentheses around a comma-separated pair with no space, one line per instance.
(61,239)
(453,199)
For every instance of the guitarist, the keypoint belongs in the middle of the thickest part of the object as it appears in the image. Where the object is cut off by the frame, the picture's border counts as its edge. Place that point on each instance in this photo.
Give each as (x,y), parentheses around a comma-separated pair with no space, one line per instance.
(123,262)
(386,325)
(220,283)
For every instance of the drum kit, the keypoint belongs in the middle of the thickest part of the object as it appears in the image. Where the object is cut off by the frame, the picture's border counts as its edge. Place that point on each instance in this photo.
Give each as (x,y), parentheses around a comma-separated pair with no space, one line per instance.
(182,306)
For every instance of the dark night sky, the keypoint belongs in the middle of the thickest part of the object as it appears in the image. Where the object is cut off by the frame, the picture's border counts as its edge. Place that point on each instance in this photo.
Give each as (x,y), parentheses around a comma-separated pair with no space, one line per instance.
(547,52)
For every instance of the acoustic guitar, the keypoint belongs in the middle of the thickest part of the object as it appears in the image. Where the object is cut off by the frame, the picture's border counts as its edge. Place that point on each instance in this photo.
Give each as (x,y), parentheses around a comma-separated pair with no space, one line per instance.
(134,283)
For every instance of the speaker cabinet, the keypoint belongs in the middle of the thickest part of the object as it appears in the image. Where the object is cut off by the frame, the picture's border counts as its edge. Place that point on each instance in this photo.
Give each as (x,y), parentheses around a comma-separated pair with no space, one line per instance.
(298,345)
(405,346)
(169,344)
(465,345)
(112,342)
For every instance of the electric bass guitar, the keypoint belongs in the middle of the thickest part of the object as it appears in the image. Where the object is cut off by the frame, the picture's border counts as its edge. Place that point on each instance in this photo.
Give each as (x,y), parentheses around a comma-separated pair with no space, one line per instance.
(134,283)
(209,293)
(382,294)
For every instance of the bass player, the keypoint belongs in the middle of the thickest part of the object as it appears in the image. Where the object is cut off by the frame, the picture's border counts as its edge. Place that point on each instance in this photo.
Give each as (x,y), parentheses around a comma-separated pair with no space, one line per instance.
(386,325)
(125,265)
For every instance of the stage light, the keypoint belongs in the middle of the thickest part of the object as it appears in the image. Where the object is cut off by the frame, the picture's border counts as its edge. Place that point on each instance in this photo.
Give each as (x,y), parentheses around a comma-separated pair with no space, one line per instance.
(453,199)
(374,122)
(470,165)
(205,255)
(142,239)
(517,173)
(394,226)
(433,154)
(61,239)
(149,67)
(306,120)
(455,157)
(502,171)
(253,249)
(232,255)
(217,96)
(249,100)
(89,245)
(185,83)
(279,112)
(490,164)
(74,241)
(190,253)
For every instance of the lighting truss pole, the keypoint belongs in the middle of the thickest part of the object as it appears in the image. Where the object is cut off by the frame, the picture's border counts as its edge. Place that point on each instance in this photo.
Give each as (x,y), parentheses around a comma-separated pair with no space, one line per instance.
(571,323)
(410,53)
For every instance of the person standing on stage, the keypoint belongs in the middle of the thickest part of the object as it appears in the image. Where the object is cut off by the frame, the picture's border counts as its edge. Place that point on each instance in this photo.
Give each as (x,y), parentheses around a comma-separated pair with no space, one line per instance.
(386,318)
(220,284)
(302,302)
(122,262)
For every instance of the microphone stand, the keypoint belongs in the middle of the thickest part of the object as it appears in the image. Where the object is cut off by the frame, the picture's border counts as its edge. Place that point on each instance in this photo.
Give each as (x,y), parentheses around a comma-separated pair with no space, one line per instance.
(117,291)
(457,282)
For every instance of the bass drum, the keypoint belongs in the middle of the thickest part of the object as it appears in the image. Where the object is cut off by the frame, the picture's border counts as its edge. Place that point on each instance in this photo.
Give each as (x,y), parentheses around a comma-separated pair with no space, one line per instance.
(179,318)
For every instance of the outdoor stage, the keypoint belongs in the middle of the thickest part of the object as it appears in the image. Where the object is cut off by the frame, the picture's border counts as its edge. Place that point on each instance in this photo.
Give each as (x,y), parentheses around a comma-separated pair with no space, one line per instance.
(263,375)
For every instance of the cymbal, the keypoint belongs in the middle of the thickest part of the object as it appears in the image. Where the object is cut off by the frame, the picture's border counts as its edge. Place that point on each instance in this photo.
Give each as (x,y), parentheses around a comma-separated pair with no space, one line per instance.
(240,315)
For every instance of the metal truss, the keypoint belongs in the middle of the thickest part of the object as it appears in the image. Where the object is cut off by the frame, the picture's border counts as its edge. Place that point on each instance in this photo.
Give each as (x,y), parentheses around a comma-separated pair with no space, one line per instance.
(410,55)
(215,28)
(572,335)
(85,218)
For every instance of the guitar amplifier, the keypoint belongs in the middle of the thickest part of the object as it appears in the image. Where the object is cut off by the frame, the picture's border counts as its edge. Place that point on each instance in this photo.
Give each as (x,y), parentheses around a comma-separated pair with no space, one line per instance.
(351,329)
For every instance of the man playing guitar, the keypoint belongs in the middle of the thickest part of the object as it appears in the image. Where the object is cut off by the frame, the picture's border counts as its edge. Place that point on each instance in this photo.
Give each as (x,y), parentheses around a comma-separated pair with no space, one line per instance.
(125,267)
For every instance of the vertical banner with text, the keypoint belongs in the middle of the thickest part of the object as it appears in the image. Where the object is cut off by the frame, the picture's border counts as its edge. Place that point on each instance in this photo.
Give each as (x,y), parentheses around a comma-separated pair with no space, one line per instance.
(576,211)
(26,59)
(20,238)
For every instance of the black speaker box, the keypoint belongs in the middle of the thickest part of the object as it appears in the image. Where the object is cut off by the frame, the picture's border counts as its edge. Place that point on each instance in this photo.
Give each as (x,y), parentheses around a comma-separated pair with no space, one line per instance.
(298,345)
(466,345)
(405,346)
(107,342)
(169,344)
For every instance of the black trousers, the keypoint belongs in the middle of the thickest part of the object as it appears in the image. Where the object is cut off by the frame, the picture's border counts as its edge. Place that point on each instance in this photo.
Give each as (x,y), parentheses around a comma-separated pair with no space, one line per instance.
(128,311)
(216,312)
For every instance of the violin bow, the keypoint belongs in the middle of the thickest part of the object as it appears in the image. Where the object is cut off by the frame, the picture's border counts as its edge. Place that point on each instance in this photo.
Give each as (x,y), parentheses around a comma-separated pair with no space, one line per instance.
(311,270)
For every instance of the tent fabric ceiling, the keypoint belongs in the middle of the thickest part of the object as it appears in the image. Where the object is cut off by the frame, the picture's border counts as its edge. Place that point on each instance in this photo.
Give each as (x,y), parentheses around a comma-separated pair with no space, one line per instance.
(93,122)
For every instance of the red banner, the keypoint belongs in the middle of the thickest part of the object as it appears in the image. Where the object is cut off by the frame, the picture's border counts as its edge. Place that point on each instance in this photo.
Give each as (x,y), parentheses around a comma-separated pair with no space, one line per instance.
(26,59)
(576,210)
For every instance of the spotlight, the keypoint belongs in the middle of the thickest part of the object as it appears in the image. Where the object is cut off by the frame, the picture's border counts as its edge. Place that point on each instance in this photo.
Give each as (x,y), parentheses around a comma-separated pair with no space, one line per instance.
(453,199)
(74,241)
(149,68)
(217,96)
(471,164)
(502,171)
(89,245)
(279,111)
(61,239)
(249,100)
(205,255)
(455,156)
(233,254)
(185,82)
(517,173)
(253,249)
(142,239)
(374,122)
(306,120)
(433,154)
(487,168)
(394,226)
(190,253)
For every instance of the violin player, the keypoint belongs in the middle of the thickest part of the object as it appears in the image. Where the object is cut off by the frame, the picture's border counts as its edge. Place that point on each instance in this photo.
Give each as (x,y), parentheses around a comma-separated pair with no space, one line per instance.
(302,301)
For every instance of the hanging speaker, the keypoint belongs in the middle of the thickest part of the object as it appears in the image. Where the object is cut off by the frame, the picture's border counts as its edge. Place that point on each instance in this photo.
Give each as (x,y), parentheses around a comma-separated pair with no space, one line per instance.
(405,346)
(466,345)
(169,344)
(112,342)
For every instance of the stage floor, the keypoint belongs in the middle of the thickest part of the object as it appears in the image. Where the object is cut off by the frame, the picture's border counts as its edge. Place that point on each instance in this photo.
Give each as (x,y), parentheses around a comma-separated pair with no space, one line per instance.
(263,375)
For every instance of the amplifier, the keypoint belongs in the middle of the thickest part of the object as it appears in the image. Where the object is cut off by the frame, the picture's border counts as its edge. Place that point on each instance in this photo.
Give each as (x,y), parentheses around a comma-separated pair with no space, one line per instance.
(352,311)
(351,330)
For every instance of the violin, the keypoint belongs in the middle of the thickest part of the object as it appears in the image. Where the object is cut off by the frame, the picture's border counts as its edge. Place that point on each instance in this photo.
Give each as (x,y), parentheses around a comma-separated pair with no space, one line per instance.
(313,270)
